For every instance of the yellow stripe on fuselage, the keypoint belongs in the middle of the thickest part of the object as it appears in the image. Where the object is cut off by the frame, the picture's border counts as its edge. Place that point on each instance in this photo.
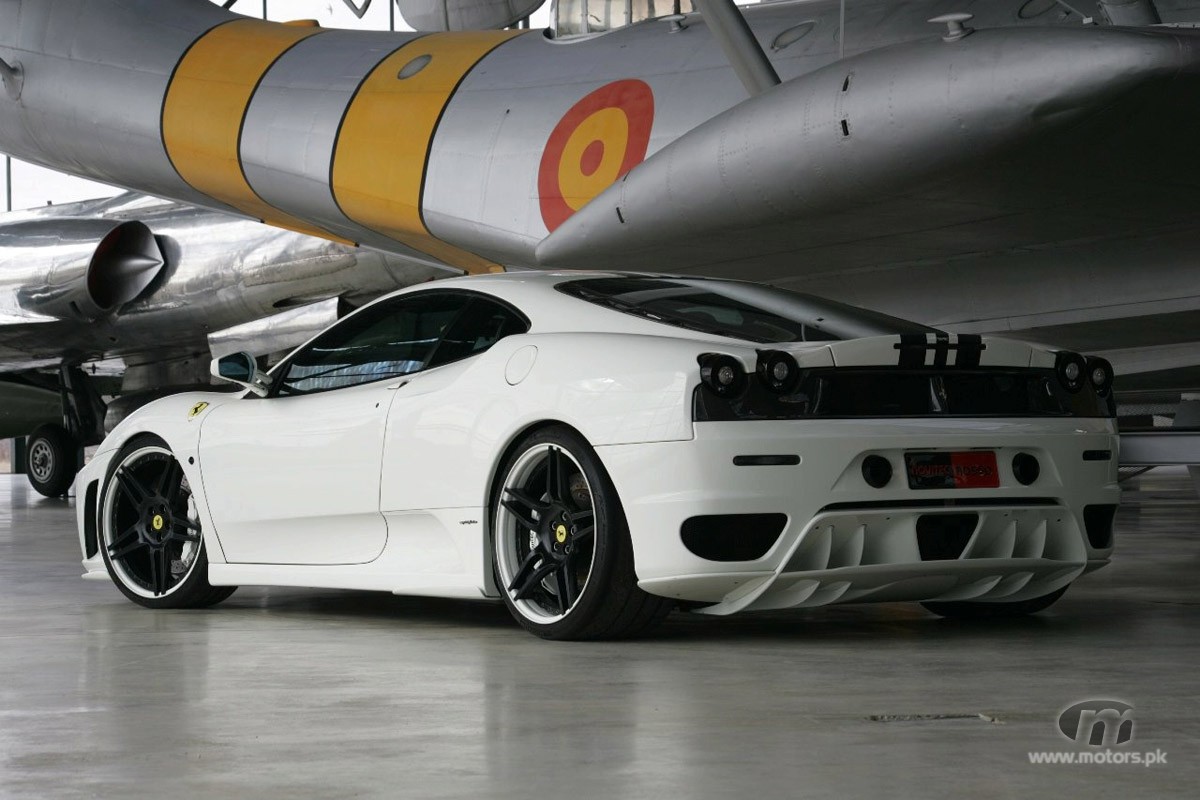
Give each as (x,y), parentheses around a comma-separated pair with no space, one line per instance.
(383,148)
(206,104)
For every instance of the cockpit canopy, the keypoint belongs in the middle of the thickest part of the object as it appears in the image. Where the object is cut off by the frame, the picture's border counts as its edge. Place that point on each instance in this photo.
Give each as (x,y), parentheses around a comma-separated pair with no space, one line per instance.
(580,17)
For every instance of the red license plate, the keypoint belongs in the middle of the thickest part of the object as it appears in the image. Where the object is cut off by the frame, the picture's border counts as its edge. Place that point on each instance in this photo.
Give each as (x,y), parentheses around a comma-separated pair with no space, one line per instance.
(974,469)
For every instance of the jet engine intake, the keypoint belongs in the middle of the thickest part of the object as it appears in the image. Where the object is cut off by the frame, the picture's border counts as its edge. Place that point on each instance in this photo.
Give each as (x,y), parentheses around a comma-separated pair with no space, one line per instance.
(87,269)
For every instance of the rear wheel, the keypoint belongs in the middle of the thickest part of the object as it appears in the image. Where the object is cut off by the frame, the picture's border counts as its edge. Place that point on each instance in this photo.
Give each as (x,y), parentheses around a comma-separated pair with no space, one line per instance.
(969,610)
(150,530)
(563,557)
(52,458)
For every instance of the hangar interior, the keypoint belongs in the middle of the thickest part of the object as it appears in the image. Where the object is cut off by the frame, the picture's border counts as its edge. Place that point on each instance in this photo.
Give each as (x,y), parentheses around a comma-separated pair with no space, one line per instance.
(823,397)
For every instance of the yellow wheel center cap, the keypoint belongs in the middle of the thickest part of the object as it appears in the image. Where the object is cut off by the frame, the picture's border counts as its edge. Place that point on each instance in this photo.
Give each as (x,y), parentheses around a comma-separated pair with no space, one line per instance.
(560,533)
(157,522)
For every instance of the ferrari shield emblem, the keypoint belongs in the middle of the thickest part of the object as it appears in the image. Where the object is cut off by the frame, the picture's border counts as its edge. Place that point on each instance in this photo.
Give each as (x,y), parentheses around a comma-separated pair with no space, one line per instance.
(197,410)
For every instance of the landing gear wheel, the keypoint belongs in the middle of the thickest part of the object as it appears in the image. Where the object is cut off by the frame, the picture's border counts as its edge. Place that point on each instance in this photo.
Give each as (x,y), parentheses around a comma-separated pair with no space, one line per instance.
(52,458)
(969,610)
(150,531)
(563,558)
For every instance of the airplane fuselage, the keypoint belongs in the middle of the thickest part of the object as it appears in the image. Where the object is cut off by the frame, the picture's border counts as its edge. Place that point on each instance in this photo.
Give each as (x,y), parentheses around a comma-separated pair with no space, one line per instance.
(467,147)
(909,166)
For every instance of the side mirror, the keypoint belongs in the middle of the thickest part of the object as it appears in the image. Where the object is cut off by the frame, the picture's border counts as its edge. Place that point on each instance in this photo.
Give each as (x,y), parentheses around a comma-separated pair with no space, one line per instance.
(242,369)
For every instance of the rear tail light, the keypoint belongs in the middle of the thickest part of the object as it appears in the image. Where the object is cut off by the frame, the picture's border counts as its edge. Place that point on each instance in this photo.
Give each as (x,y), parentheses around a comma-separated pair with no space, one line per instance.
(1100,373)
(1072,371)
(722,374)
(778,371)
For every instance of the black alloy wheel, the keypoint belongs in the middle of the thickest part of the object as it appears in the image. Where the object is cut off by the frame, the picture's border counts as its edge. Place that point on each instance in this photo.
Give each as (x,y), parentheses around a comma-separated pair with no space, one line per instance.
(150,530)
(563,557)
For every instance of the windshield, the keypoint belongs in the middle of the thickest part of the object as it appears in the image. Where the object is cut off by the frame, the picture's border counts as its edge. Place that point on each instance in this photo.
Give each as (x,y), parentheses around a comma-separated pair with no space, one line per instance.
(747,311)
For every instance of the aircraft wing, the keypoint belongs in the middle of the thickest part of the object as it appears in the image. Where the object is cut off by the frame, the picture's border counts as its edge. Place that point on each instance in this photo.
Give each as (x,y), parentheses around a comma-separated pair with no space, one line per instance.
(148,281)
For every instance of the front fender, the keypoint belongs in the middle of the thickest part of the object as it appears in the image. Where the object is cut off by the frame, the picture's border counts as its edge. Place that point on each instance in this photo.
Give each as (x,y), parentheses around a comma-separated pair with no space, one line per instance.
(178,420)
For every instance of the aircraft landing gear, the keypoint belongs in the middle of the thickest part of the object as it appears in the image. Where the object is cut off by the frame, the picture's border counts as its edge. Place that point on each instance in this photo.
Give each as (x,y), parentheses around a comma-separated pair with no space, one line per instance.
(54,453)
(52,459)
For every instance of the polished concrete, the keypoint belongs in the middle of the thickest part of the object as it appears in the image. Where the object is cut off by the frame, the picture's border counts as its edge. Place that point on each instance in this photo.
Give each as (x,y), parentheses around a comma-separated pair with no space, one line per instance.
(298,694)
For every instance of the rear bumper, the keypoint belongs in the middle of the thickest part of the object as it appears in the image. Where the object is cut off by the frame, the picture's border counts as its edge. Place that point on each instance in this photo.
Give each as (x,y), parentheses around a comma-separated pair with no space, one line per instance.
(845,541)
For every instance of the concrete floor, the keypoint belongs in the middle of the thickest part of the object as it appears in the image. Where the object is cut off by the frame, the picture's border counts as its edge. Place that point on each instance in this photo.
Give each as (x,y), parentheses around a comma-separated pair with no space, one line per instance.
(283,693)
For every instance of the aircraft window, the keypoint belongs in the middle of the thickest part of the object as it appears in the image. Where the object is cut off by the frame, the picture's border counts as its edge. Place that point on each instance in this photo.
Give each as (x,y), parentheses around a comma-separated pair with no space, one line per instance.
(386,341)
(481,325)
(569,18)
(577,17)
(738,310)
(1036,8)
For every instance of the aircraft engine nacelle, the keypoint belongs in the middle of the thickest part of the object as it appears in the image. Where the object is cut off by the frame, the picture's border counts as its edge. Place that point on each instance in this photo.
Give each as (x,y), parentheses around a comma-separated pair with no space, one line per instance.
(81,269)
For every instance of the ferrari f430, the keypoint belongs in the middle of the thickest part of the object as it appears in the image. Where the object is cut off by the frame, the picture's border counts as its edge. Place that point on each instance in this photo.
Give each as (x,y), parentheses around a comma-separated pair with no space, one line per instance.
(595,449)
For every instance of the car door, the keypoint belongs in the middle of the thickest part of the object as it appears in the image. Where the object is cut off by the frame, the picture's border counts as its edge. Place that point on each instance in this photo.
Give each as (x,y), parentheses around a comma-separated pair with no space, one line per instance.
(432,458)
(293,478)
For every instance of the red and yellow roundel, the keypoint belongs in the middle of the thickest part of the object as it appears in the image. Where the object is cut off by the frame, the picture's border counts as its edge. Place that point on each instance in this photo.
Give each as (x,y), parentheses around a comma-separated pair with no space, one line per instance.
(600,139)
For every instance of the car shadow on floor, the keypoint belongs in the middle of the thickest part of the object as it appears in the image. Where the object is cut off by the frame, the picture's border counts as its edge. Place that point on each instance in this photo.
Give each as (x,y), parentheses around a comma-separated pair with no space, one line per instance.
(865,624)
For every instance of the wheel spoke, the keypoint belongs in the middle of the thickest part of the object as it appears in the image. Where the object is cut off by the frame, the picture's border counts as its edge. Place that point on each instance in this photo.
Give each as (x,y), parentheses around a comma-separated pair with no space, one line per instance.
(528,500)
(134,489)
(183,533)
(524,518)
(566,585)
(527,566)
(587,515)
(584,533)
(535,579)
(160,570)
(130,532)
(154,572)
(117,555)
(165,479)
(555,480)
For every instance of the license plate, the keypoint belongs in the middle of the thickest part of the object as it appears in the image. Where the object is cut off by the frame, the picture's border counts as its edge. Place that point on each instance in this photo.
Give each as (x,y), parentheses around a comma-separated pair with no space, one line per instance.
(974,469)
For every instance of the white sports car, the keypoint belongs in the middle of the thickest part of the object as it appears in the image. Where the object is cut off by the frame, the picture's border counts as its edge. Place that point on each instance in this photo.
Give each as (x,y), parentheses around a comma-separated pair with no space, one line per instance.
(595,449)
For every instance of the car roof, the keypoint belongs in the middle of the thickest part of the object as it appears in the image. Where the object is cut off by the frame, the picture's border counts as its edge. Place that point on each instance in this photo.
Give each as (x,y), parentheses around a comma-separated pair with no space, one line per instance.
(534,294)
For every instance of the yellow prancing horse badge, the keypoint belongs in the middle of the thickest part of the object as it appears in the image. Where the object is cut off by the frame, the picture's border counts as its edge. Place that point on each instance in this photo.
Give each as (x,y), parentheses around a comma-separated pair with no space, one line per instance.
(158,522)
(197,410)
(560,533)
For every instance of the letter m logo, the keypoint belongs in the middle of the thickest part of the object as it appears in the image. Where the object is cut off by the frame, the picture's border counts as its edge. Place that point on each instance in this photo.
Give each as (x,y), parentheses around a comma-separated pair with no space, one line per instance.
(1097,723)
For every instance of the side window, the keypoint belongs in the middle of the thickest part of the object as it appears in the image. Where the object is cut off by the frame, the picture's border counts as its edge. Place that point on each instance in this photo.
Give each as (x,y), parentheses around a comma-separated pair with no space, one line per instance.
(387,341)
(481,325)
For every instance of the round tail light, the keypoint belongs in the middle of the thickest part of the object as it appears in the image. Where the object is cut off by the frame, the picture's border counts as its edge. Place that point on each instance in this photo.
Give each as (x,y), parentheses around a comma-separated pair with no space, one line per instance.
(1100,373)
(722,374)
(1072,371)
(778,370)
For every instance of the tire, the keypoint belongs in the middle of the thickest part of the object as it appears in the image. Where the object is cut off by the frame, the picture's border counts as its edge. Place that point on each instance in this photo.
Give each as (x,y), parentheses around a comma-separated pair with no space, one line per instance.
(563,558)
(53,460)
(969,610)
(150,536)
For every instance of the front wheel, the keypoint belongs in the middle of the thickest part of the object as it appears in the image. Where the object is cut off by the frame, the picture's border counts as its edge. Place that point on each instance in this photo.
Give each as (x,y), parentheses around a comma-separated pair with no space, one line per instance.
(962,609)
(150,530)
(563,557)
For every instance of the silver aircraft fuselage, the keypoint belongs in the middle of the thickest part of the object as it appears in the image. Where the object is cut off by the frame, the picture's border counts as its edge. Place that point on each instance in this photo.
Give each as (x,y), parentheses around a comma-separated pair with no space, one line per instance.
(976,182)
(217,272)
